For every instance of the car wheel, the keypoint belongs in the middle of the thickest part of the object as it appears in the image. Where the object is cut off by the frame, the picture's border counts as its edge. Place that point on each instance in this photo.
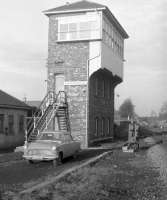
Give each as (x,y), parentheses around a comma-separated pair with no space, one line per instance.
(75,154)
(30,161)
(58,160)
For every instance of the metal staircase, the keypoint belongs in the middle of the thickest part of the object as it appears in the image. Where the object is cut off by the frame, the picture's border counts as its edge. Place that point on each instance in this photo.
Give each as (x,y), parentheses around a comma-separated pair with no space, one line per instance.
(62,118)
(52,106)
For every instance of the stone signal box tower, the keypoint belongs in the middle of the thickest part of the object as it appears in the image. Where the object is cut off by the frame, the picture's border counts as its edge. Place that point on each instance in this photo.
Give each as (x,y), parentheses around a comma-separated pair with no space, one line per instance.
(85,60)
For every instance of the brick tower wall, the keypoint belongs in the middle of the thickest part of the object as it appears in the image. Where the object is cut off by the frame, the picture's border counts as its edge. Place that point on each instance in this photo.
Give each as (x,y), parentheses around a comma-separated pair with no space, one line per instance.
(101,106)
(70,59)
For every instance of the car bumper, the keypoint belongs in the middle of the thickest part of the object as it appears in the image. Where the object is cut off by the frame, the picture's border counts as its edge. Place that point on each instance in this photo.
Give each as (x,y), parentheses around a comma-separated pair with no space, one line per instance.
(39,157)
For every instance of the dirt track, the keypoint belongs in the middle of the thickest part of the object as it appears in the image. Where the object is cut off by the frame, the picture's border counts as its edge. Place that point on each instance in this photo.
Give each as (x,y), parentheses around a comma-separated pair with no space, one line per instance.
(18,175)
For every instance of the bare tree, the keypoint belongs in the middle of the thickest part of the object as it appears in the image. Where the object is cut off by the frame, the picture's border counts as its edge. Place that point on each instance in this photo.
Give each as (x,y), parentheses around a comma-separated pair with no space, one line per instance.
(127,109)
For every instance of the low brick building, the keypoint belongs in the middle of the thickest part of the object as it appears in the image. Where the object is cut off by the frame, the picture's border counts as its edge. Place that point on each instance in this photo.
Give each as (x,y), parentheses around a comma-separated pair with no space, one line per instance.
(13,113)
(85,59)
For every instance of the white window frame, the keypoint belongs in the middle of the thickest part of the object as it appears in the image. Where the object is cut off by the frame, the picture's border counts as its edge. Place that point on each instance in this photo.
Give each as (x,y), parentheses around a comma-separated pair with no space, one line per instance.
(112,38)
(94,33)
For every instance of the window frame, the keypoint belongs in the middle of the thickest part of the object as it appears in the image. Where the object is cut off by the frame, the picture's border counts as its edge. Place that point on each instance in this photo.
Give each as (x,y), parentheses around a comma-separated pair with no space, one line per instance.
(103,87)
(112,38)
(94,33)
(2,119)
(103,126)
(21,125)
(96,86)
(96,126)
(11,124)
(108,125)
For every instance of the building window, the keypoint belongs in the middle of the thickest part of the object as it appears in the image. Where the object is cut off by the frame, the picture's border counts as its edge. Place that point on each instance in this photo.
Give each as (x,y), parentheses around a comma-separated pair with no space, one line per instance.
(83,30)
(11,124)
(63,31)
(96,87)
(73,31)
(111,90)
(103,88)
(108,125)
(1,123)
(112,38)
(103,126)
(21,123)
(110,41)
(96,126)
(108,89)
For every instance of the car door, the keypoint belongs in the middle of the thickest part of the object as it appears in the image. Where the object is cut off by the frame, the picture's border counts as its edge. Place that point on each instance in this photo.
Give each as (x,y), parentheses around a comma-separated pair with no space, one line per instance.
(69,144)
(65,146)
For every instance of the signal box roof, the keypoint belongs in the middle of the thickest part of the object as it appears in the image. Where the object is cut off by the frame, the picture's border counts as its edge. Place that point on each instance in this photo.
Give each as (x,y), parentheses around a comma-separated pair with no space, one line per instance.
(86,6)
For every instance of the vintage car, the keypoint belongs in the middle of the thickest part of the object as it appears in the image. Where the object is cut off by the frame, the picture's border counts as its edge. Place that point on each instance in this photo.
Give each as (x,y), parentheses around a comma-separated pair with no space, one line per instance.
(53,146)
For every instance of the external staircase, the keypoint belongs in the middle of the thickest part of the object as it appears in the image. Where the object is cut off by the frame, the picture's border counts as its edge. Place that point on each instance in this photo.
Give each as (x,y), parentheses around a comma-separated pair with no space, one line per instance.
(53,105)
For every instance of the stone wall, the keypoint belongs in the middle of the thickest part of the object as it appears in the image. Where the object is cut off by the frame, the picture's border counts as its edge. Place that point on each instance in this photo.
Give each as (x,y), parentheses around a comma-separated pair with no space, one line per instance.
(70,59)
(77,110)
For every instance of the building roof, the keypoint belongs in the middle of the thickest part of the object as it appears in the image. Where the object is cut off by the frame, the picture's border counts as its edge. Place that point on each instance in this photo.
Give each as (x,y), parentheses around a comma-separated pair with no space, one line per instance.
(80,5)
(85,6)
(8,101)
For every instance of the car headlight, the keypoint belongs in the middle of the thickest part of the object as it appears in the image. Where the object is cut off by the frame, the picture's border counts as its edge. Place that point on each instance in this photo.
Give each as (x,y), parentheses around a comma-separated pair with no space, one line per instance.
(53,148)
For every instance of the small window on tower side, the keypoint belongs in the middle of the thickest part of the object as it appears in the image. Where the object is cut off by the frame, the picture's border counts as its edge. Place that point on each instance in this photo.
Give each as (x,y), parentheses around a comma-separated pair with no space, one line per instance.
(96,126)
(96,87)
(103,88)
(103,126)
(108,125)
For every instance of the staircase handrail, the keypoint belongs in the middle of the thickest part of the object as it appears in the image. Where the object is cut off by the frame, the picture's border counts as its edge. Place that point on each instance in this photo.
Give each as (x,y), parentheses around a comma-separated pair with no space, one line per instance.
(36,114)
(53,100)
(49,120)
(39,111)
(59,98)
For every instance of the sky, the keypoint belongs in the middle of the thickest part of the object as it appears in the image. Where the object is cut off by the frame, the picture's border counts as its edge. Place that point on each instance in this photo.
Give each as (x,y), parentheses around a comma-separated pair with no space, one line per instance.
(24,40)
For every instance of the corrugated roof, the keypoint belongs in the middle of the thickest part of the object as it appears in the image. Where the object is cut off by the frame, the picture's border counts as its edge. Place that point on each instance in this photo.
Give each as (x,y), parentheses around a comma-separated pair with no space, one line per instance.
(8,101)
(77,6)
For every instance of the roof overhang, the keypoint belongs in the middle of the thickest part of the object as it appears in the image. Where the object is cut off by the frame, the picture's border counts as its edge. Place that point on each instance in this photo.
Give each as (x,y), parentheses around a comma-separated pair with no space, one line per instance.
(3,106)
(111,17)
(106,11)
(48,13)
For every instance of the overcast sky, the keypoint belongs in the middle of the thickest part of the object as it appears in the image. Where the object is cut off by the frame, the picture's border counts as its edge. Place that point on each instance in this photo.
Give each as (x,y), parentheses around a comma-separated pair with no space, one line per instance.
(23,49)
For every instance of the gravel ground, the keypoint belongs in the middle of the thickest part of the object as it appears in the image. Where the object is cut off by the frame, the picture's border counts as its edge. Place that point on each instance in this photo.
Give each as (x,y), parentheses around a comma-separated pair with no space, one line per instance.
(138,176)
(158,156)
(120,176)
